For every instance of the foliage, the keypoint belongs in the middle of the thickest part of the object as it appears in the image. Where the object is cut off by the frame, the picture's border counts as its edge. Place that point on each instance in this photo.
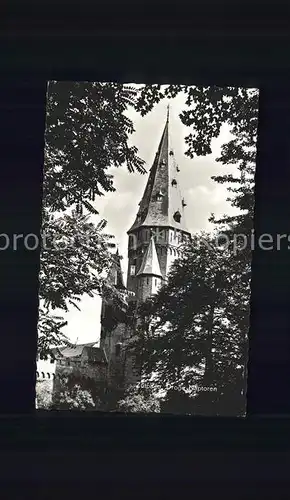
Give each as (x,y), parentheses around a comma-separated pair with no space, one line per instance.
(73,396)
(75,399)
(139,400)
(43,394)
(210,290)
(206,110)
(87,132)
(50,333)
(178,402)
(205,334)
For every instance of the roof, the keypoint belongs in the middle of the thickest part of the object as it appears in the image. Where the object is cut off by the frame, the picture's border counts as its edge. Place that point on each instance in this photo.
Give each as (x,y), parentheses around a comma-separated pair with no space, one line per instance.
(95,354)
(150,264)
(160,212)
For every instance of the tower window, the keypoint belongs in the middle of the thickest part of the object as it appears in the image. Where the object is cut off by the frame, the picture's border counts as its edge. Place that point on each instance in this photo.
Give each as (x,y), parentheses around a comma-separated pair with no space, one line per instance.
(177,216)
(132,270)
(147,281)
(159,196)
(131,241)
(174,182)
(155,281)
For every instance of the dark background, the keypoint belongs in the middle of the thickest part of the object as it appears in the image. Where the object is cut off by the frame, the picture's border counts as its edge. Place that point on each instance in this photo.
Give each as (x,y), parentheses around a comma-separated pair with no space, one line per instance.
(221,43)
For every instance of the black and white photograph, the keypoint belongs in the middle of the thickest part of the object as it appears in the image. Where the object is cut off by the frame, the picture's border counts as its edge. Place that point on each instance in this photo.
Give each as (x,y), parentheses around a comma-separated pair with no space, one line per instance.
(147,235)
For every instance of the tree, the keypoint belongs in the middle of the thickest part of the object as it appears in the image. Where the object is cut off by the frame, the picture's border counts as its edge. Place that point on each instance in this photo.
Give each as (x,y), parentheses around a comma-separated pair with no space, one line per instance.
(204,341)
(73,398)
(43,394)
(224,352)
(76,391)
(207,109)
(179,402)
(74,261)
(87,132)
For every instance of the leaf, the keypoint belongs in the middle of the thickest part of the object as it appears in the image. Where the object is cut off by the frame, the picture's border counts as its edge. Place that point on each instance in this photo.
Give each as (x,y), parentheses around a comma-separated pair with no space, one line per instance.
(90,208)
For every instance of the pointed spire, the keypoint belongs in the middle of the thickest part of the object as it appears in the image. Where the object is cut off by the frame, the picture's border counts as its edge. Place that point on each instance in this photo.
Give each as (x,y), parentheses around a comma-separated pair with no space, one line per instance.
(115,274)
(168,109)
(150,264)
(154,209)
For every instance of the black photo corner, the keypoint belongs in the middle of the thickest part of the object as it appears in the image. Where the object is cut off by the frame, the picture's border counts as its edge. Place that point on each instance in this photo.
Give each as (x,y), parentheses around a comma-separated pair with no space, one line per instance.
(57,453)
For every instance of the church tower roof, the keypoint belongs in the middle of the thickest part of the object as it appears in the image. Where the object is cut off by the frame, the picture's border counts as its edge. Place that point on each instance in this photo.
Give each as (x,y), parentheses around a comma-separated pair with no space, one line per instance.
(162,203)
(150,264)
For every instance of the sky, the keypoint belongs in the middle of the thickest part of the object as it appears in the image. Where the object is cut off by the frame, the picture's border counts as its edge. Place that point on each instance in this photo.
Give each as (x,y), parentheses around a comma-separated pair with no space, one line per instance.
(202,195)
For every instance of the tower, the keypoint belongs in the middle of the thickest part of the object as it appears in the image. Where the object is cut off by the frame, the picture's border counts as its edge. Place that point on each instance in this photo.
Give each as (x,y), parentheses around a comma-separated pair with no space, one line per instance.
(154,242)
(159,227)
(113,326)
(149,276)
